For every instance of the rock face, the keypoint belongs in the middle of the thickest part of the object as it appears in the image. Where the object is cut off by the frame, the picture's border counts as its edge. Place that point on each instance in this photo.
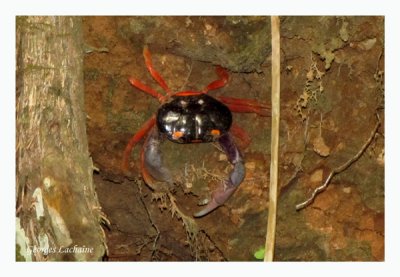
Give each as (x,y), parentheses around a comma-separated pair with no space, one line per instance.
(332,92)
(239,44)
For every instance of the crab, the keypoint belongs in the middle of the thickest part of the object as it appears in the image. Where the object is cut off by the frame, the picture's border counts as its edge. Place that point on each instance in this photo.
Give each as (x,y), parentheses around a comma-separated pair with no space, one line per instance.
(192,117)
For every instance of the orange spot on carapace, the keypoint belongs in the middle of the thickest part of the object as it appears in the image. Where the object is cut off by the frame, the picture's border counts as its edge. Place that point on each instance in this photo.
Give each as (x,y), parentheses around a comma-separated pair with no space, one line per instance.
(215,132)
(177,134)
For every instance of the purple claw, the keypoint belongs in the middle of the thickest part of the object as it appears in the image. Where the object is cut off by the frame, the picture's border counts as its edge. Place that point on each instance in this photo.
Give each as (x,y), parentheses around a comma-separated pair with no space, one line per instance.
(228,187)
(218,198)
(153,158)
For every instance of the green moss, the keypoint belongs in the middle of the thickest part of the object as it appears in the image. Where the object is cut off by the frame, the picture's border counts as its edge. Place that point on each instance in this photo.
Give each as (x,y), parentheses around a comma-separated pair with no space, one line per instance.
(292,224)
(260,253)
(356,250)
(324,103)
(18,256)
(368,177)
(22,243)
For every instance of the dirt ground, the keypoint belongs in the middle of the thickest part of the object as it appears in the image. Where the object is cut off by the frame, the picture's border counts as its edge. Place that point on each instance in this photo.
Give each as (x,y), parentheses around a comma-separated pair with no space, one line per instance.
(332,95)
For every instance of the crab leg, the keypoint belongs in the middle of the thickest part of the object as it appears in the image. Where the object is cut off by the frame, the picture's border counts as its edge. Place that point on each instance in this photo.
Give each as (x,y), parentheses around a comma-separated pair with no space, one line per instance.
(244,102)
(136,83)
(245,106)
(134,140)
(236,104)
(241,134)
(154,73)
(227,187)
(223,79)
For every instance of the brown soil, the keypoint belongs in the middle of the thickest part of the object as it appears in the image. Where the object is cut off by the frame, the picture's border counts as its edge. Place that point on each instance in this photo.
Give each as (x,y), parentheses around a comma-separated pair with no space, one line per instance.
(331,91)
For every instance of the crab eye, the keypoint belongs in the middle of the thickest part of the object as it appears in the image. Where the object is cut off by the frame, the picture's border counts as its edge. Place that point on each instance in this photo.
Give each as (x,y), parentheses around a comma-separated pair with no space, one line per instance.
(183,103)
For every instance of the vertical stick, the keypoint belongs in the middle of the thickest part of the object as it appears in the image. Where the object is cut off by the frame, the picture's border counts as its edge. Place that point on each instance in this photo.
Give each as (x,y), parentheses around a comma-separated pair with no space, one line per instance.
(275,102)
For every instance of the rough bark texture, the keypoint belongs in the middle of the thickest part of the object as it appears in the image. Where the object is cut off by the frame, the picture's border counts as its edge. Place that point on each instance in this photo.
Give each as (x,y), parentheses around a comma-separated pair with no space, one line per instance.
(58,215)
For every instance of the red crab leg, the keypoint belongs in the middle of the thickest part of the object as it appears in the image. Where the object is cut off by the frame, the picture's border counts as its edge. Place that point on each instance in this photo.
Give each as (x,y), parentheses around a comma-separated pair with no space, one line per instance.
(134,140)
(241,134)
(153,72)
(136,83)
(238,105)
(223,79)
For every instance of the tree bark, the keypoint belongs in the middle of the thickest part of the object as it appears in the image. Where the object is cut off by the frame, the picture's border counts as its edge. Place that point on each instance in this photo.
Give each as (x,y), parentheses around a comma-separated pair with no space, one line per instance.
(58,215)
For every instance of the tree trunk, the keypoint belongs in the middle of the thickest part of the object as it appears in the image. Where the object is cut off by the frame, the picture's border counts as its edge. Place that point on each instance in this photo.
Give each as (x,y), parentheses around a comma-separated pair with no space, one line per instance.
(58,215)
